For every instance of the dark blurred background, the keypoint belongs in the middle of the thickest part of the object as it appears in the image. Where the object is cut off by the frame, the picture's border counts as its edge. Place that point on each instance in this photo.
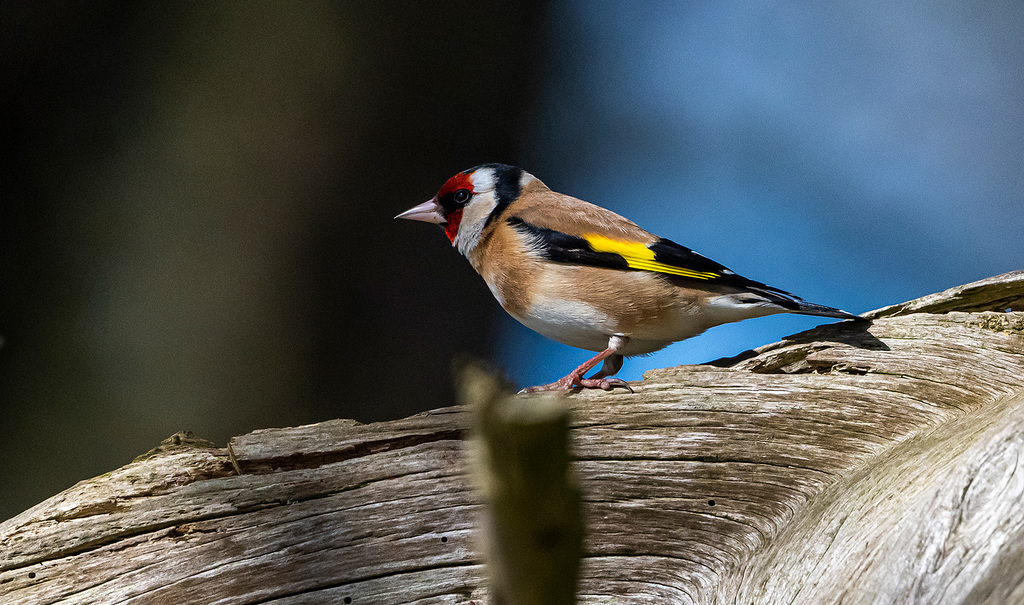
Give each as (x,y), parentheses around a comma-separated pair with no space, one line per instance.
(196,224)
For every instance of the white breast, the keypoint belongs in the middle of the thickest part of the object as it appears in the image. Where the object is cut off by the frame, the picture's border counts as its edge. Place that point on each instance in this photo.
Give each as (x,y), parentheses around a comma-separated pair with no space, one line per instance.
(573,323)
(581,325)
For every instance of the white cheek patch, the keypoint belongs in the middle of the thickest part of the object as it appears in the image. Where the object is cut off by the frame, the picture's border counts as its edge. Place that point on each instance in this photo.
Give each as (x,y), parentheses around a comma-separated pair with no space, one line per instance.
(474,217)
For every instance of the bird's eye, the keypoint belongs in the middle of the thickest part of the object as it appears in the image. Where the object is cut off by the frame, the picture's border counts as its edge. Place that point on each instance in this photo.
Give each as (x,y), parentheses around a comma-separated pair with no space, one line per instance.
(461,196)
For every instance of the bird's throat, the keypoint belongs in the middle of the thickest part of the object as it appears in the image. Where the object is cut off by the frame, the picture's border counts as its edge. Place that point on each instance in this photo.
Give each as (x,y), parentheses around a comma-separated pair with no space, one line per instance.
(451,226)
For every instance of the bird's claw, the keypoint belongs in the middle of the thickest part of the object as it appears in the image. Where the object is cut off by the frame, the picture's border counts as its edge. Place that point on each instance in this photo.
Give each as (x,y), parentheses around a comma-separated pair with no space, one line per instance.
(571,382)
(605,384)
(565,384)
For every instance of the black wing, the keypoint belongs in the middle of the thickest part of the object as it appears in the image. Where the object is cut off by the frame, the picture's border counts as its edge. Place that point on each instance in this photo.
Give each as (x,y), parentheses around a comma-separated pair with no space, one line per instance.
(665,257)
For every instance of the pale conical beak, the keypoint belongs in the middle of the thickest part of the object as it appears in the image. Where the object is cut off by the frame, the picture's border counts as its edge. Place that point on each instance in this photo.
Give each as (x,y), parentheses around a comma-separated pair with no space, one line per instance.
(428,212)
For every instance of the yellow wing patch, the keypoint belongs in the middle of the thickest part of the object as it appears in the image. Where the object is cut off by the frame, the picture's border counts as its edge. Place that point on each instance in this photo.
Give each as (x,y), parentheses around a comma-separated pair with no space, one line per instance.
(639,256)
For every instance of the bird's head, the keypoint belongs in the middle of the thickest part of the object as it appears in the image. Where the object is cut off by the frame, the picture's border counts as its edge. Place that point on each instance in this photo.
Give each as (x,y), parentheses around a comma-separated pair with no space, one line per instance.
(470,201)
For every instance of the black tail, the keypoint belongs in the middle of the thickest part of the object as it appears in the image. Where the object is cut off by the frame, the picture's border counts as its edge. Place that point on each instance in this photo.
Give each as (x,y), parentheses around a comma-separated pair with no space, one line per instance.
(795,304)
(806,308)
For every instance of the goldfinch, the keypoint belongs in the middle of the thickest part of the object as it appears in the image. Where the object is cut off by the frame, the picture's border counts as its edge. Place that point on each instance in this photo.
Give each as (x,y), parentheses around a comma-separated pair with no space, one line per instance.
(587,277)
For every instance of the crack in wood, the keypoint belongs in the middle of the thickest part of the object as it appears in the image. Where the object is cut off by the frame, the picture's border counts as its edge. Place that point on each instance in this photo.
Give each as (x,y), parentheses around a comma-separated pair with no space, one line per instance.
(307,460)
(359,580)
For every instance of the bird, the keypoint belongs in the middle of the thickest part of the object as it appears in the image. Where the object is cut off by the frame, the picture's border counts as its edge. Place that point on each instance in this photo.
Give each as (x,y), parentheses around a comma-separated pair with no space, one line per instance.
(587,277)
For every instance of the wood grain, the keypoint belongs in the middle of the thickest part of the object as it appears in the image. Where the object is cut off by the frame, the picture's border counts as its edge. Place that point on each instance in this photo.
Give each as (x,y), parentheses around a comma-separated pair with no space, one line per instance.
(877,463)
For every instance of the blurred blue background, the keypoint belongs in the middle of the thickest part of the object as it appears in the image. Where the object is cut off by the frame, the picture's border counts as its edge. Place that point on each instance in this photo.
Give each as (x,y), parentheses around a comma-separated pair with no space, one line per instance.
(857,154)
(196,230)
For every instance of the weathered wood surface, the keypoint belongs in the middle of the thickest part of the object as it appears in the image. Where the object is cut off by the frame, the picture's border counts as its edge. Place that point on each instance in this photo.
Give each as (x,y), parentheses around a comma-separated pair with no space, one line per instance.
(847,464)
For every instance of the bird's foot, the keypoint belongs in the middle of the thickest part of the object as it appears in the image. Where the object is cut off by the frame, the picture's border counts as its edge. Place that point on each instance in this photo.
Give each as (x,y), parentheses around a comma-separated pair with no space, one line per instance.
(565,384)
(574,381)
(605,384)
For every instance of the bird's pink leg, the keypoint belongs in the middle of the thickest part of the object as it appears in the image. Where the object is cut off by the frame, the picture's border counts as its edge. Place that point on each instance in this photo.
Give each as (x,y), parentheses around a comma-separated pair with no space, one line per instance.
(600,380)
(612,364)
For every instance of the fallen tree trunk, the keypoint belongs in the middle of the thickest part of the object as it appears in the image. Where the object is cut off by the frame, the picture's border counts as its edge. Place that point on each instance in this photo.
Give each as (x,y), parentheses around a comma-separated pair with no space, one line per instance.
(854,464)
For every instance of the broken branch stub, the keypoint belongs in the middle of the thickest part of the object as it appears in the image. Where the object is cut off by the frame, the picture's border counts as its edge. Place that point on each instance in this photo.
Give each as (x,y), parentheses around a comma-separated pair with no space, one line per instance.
(519,456)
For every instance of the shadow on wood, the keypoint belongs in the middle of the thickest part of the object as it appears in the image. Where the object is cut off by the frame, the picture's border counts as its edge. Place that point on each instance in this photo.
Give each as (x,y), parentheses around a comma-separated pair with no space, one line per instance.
(840,465)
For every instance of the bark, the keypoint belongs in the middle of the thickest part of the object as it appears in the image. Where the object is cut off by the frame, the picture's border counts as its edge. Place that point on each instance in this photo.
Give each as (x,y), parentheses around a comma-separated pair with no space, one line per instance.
(873,463)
